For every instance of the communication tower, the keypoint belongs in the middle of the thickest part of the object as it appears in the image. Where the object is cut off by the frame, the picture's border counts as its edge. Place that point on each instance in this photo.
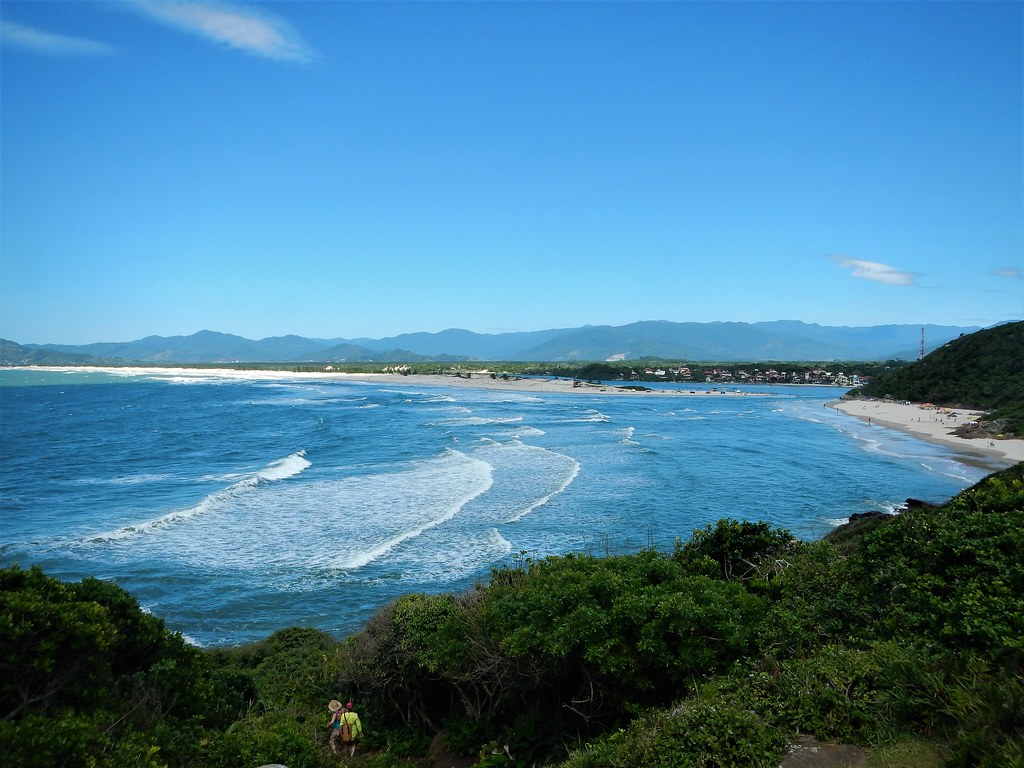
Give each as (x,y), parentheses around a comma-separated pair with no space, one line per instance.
(921,355)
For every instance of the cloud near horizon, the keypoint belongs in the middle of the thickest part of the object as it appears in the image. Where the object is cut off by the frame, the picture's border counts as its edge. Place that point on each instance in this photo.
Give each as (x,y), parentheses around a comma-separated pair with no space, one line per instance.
(48,43)
(1011,272)
(872,270)
(243,28)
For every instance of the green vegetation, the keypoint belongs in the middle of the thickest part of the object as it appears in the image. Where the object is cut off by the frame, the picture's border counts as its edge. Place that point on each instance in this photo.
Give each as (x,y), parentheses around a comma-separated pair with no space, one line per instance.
(905,636)
(984,370)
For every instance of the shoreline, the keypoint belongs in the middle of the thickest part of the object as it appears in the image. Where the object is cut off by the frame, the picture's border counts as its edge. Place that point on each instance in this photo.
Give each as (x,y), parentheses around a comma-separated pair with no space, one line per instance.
(933,425)
(478,380)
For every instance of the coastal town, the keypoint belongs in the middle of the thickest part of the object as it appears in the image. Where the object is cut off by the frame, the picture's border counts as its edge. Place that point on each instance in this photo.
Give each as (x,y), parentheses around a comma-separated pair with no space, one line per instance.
(720,375)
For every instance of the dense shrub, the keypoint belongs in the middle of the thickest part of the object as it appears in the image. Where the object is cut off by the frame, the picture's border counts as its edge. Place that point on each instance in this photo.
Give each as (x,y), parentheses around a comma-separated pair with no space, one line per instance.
(87,677)
(697,734)
(742,551)
(274,737)
(637,626)
(952,575)
(837,693)
(581,639)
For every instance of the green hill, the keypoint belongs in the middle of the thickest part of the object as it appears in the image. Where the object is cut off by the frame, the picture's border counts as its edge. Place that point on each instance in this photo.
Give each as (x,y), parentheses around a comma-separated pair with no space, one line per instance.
(15,354)
(983,370)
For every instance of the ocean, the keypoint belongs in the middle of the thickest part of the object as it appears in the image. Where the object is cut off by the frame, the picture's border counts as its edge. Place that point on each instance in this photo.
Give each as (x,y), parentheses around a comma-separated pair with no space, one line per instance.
(234,507)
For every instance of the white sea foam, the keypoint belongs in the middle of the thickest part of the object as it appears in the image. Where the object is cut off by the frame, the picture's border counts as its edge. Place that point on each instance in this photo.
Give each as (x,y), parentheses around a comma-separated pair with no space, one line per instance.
(419,396)
(225,478)
(433,495)
(526,477)
(949,468)
(460,556)
(501,543)
(475,421)
(570,475)
(142,479)
(626,436)
(522,432)
(590,416)
(301,400)
(188,380)
(281,469)
(889,507)
(902,449)
(456,409)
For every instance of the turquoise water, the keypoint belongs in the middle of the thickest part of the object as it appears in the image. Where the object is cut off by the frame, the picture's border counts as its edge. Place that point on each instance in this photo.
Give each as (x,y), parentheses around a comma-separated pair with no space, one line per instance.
(233,508)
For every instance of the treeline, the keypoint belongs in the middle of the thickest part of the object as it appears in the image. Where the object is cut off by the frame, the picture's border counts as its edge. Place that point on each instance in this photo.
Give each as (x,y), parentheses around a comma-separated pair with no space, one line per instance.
(900,633)
(983,370)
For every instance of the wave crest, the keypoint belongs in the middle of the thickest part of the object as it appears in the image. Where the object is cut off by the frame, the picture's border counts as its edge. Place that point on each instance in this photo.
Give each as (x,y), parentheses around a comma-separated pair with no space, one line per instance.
(280,469)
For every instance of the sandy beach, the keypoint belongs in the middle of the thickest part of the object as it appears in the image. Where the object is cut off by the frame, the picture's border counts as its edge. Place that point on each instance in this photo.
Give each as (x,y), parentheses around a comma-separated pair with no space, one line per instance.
(933,424)
(483,380)
(478,380)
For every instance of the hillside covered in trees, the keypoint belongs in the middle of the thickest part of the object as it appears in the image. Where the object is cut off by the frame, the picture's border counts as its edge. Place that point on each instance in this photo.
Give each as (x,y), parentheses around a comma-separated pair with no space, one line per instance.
(983,370)
(904,635)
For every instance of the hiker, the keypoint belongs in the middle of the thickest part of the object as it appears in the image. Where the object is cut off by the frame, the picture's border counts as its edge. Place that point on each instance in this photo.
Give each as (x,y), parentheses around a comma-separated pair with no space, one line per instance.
(335,725)
(350,721)
(345,727)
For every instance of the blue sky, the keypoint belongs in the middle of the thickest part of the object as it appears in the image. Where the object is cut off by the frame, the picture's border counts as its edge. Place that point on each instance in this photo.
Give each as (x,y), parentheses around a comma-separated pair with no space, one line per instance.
(364,169)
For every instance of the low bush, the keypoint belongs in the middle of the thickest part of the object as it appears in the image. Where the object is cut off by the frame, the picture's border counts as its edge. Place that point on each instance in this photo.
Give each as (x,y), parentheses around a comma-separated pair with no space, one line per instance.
(696,734)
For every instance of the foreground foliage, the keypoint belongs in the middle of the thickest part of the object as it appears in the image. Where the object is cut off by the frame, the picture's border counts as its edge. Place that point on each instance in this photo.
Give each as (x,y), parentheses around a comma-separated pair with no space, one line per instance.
(909,631)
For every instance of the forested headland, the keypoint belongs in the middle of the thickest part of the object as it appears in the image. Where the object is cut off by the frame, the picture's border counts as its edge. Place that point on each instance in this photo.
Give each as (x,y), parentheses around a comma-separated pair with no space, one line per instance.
(983,370)
(902,634)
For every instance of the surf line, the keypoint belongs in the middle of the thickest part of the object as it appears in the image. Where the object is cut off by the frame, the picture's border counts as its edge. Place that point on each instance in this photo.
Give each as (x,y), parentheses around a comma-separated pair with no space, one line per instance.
(279,469)
(574,470)
(361,559)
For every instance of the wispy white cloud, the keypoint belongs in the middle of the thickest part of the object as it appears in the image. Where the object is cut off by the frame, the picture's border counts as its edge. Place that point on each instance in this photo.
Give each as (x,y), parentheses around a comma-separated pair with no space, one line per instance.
(48,43)
(1011,272)
(245,28)
(872,270)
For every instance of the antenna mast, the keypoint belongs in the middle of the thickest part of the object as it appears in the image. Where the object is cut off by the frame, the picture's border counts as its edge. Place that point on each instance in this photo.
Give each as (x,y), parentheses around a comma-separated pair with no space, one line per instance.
(919,357)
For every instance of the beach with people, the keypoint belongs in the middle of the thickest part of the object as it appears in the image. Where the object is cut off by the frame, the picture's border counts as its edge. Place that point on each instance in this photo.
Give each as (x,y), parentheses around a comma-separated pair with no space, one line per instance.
(933,423)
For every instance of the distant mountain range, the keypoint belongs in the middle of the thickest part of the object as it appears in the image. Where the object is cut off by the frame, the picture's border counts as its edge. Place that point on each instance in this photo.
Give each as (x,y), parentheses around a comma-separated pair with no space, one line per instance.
(781,340)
